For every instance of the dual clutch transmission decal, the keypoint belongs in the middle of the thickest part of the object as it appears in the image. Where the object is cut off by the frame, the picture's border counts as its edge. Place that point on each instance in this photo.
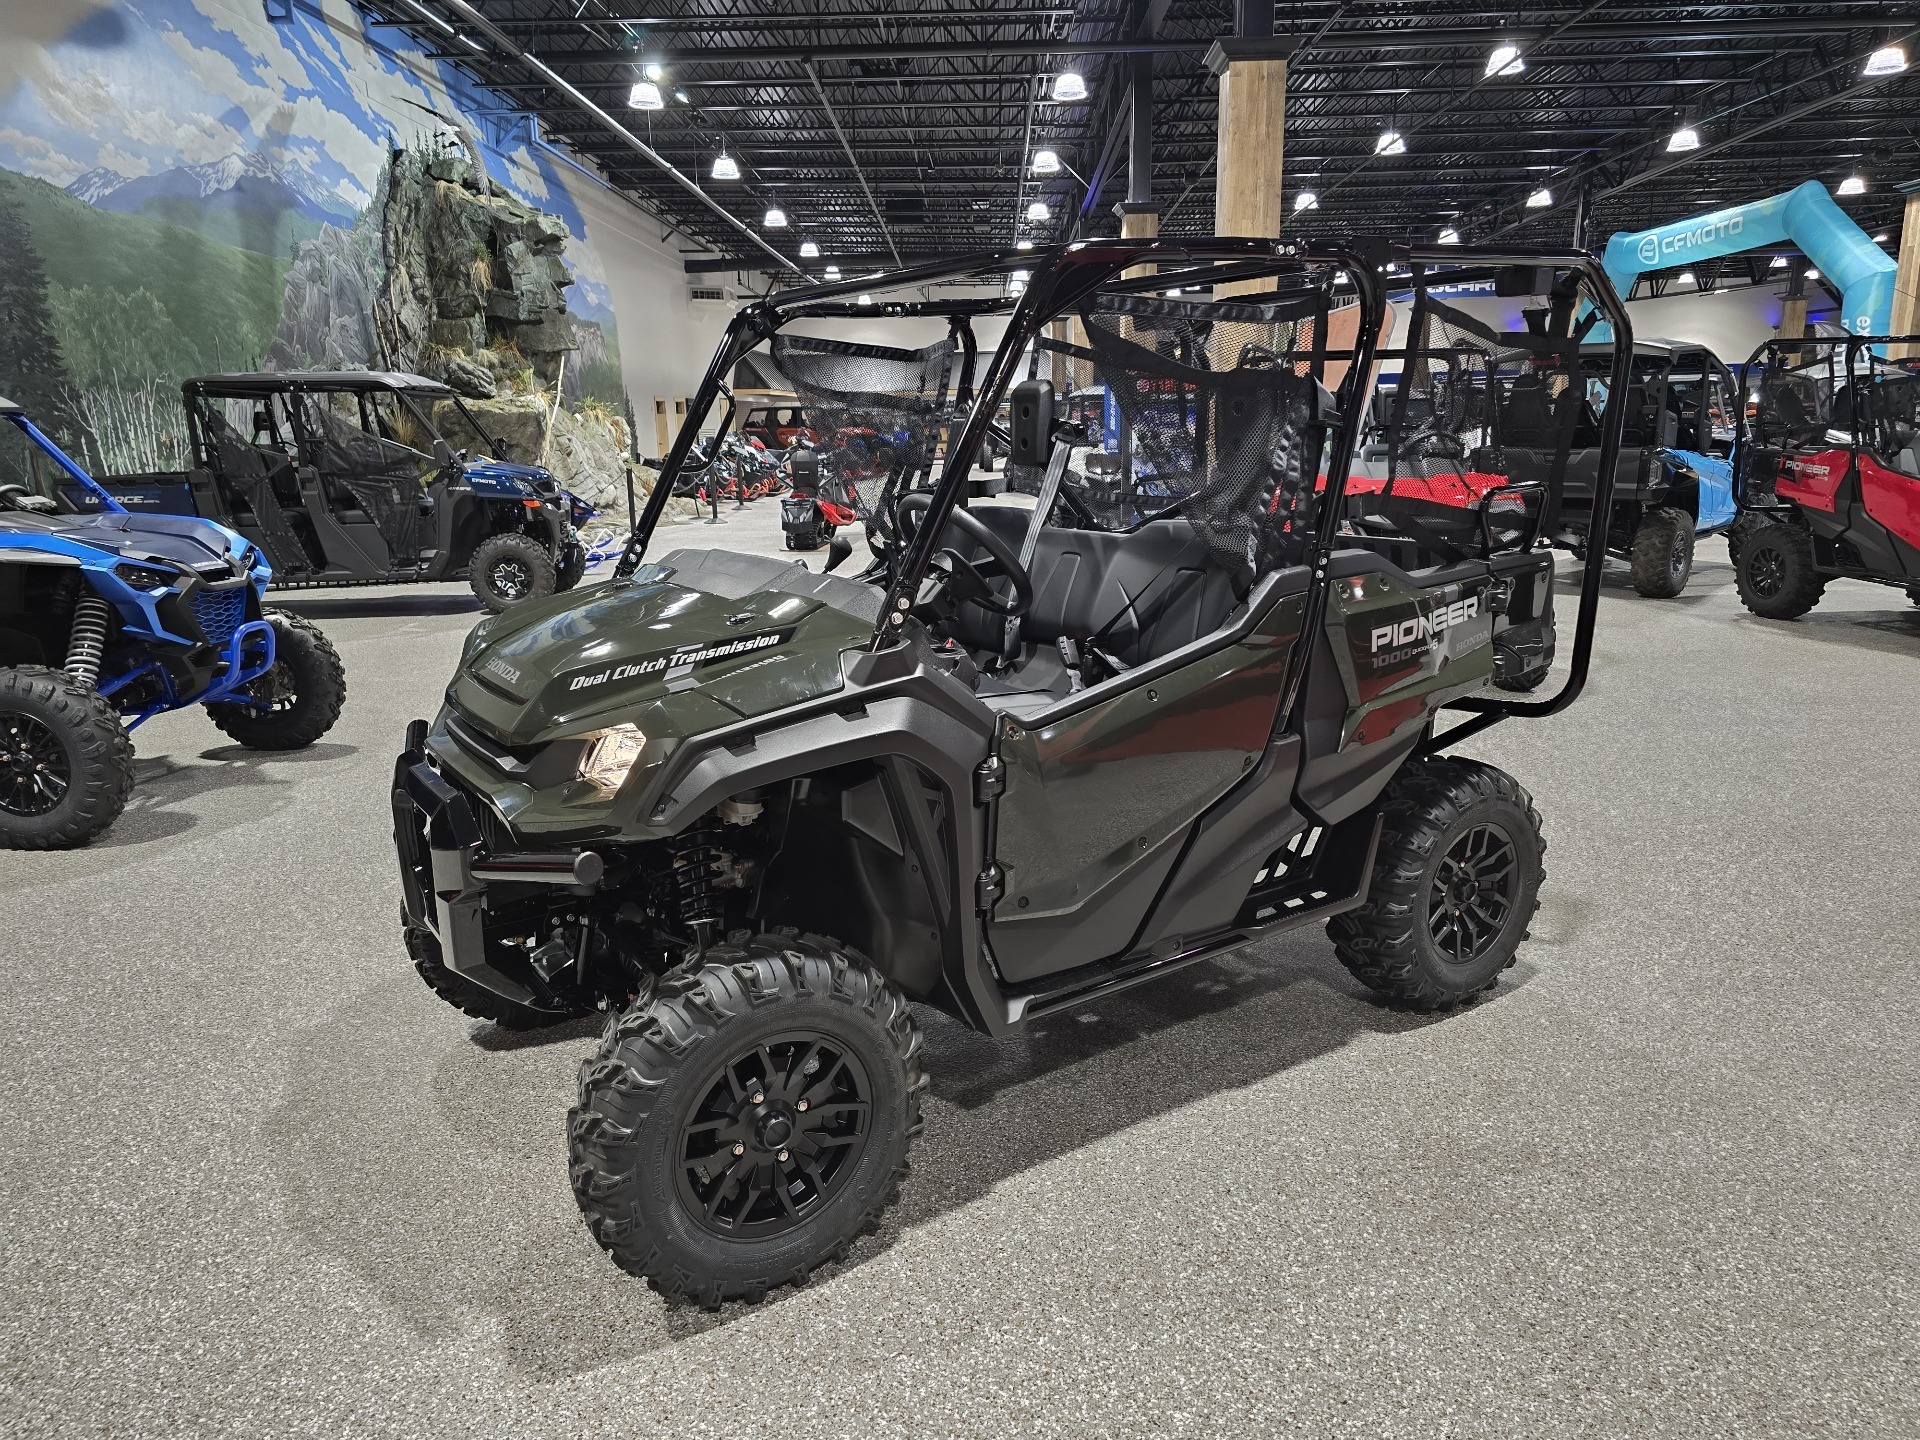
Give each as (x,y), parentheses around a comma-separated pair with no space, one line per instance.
(686,657)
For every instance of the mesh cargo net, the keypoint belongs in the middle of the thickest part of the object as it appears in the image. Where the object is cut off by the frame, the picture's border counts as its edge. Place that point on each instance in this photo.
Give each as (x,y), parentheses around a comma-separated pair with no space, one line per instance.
(1475,441)
(881,415)
(1207,407)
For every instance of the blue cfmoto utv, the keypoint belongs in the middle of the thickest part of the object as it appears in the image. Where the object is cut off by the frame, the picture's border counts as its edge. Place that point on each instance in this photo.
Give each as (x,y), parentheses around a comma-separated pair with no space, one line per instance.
(108,619)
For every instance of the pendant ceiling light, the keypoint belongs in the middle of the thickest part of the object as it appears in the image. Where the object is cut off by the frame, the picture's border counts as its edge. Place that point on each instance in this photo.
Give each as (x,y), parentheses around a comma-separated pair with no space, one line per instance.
(645,95)
(809,250)
(1305,200)
(726,167)
(1068,87)
(1853,185)
(1038,212)
(775,218)
(1887,60)
(1683,139)
(1449,236)
(1505,60)
(1540,199)
(1045,162)
(1390,143)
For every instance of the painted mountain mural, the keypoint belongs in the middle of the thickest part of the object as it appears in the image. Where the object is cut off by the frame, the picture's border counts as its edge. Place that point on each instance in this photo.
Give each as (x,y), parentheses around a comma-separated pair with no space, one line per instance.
(187,186)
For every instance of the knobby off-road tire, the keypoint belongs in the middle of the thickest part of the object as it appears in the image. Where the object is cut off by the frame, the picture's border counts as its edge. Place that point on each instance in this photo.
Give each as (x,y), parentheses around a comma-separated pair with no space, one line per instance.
(509,568)
(1456,881)
(1776,575)
(800,1066)
(1662,553)
(304,690)
(470,999)
(66,762)
(570,574)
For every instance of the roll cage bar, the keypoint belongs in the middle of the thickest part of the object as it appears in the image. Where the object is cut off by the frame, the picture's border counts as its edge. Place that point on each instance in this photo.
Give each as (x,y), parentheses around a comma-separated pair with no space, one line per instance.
(1062,276)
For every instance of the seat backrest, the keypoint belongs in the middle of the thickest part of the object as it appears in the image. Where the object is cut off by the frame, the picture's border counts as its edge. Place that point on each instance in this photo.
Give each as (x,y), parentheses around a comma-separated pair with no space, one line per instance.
(1526,419)
(1150,590)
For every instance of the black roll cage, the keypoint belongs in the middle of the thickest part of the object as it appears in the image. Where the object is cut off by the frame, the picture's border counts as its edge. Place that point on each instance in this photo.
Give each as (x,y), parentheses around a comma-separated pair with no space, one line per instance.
(1063,275)
(1765,356)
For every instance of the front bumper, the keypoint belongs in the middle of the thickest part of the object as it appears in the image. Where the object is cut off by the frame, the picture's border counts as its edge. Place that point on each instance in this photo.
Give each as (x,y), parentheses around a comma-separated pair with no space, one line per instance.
(449,873)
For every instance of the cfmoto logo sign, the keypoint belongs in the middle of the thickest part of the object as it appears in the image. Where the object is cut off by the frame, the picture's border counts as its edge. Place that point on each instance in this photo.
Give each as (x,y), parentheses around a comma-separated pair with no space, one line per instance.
(1657,246)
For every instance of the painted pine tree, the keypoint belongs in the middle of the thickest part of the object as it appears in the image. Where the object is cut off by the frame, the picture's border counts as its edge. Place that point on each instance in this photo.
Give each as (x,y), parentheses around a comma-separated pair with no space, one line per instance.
(32,371)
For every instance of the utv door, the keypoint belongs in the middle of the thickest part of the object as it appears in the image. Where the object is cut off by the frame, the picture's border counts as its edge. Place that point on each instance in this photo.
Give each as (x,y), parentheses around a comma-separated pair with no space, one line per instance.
(1099,799)
(364,481)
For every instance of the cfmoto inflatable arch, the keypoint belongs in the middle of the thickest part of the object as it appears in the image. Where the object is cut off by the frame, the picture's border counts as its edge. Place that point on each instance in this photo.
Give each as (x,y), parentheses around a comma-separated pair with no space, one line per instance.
(1806,215)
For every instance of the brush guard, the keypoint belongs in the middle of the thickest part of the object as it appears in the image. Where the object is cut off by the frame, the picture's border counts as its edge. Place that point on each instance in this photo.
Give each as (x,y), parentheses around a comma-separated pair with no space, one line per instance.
(248,654)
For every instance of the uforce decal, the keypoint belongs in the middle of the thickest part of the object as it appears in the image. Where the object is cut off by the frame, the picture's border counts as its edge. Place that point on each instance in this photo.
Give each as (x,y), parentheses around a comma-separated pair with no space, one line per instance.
(685,656)
(1425,627)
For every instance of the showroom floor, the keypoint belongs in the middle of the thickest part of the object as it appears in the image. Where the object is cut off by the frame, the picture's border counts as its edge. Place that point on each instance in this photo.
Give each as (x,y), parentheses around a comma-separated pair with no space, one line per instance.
(258,1181)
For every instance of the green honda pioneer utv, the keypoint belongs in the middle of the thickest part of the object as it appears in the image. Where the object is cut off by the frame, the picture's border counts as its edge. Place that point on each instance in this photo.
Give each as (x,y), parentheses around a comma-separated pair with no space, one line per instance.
(1030,757)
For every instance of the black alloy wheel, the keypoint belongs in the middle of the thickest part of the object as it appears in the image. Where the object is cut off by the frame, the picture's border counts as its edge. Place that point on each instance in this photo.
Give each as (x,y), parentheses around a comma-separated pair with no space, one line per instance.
(511,579)
(34,769)
(1474,890)
(775,1136)
(1767,571)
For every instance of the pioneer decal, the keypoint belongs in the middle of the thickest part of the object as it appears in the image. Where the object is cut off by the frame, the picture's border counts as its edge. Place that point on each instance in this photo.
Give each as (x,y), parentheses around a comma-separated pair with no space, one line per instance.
(687,656)
(1420,628)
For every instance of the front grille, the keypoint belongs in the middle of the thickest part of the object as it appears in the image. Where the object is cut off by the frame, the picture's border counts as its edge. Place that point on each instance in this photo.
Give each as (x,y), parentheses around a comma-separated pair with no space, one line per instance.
(220,612)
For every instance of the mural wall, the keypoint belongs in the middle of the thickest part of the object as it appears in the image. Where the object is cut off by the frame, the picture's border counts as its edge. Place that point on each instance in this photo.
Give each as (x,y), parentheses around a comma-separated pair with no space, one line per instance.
(189,186)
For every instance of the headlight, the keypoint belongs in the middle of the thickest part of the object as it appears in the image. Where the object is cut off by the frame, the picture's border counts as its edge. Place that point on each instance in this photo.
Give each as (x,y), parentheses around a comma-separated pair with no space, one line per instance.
(146,577)
(610,756)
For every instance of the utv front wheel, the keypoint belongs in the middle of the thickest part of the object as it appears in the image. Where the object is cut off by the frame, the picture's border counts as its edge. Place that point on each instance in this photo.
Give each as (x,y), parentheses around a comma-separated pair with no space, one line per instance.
(1776,575)
(1663,553)
(1455,883)
(66,764)
(297,700)
(746,1122)
(509,568)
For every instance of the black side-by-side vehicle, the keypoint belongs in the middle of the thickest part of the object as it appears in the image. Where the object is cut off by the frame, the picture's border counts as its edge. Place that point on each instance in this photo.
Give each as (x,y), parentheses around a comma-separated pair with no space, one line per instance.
(358,477)
(1031,757)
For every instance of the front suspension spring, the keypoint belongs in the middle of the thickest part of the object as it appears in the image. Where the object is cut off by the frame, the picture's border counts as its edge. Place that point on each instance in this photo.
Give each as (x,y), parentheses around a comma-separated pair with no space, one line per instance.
(87,644)
(693,860)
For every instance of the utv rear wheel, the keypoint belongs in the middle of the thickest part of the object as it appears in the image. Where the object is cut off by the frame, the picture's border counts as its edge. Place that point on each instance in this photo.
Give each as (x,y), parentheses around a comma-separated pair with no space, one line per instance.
(570,574)
(1455,883)
(298,700)
(66,763)
(1663,553)
(748,1121)
(1776,576)
(471,999)
(509,568)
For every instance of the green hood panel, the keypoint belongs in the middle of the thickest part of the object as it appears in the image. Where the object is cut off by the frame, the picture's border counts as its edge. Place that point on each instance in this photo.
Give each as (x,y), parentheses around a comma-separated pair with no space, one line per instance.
(598,657)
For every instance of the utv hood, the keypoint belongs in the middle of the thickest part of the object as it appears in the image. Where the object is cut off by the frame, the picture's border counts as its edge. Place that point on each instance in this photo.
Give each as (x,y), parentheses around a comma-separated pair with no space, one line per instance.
(208,549)
(682,649)
(502,479)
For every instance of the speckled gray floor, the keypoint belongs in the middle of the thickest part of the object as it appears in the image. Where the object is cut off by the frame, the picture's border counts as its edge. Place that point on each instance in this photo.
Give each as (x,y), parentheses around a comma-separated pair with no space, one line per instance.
(257,1181)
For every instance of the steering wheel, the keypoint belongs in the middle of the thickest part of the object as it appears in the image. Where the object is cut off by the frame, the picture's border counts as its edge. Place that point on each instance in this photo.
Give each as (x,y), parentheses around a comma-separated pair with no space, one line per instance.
(967,581)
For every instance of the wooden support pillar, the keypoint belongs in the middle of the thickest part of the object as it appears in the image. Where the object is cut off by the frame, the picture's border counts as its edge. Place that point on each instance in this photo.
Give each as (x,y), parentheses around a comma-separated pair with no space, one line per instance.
(1252,140)
(1906,281)
(1793,312)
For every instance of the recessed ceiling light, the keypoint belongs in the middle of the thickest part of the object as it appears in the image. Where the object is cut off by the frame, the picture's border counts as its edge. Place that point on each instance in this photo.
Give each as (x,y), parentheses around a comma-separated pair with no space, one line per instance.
(1390,143)
(809,250)
(1305,200)
(1038,211)
(1887,60)
(1685,138)
(775,218)
(1505,60)
(1853,185)
(1068,87)
(726,167)
(1540,199)
(1449,236)
(1045,162)
(645,95)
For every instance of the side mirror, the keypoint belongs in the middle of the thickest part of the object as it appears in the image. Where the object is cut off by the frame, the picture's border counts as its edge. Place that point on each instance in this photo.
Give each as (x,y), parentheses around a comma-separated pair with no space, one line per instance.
(838,552)
(1030,422)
